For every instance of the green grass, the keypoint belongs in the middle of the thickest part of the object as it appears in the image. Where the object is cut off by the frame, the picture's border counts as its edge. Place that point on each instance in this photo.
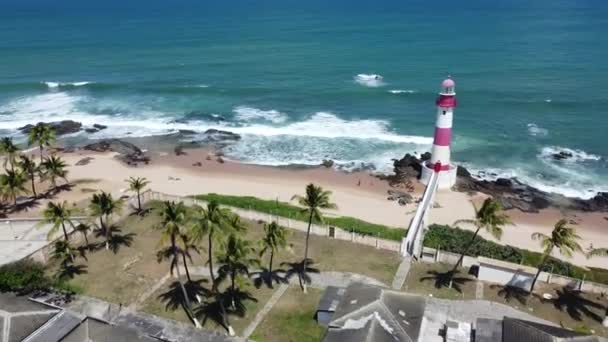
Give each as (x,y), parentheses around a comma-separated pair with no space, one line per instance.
(292,319)
(294,212)
(422,279)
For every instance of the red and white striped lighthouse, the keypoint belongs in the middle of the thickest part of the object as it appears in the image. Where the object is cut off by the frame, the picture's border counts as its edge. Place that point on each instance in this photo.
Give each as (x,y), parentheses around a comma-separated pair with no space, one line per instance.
(440,154)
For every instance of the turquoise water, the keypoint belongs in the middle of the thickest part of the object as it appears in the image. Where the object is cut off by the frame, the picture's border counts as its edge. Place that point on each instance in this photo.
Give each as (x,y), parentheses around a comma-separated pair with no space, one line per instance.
(531,78)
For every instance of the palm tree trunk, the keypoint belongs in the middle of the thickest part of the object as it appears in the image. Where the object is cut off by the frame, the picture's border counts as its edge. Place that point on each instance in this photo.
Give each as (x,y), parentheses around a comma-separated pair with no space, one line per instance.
(462,255)
(65,232)
(14,199)
(33,185)
(86,239)
(105,231)
(305,261)
(210,251)
(232,288)
(41,160)
(540,267)
(138,201)
(186,267)
(185,293)
(270,264)
(227,325)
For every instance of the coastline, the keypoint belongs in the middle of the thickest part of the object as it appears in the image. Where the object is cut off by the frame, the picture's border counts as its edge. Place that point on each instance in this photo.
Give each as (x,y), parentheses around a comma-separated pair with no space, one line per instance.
(357,194)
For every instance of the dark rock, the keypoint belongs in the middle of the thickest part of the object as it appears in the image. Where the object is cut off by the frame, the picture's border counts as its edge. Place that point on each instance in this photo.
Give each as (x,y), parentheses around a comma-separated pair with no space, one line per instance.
(403,198)
(504,182)
(327,163)
(186,131)
(219,136)
(561,155)
(199,164)
(220,160)
(61,127)
(99,127)
(128,153)
(84,161)
(91,130)
(179,151)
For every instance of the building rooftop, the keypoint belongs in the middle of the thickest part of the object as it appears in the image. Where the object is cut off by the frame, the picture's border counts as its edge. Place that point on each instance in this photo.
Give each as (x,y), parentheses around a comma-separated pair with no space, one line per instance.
(370,313)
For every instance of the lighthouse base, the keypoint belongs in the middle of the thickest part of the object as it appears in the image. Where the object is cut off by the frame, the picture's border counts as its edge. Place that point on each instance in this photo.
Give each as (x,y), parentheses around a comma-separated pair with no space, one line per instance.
(447,178)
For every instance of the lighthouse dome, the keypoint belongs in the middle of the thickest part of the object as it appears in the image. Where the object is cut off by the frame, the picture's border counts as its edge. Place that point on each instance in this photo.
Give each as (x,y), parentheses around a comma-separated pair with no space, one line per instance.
(448,83)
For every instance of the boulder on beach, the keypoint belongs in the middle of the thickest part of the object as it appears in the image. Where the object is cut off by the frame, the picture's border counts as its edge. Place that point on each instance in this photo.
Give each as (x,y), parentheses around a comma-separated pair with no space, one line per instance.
(127,152)
(215,135)
(61,127)
(327,163)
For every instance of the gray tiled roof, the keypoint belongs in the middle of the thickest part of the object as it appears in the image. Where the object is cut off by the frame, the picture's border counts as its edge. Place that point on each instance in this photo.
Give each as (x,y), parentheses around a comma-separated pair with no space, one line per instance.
(370,313)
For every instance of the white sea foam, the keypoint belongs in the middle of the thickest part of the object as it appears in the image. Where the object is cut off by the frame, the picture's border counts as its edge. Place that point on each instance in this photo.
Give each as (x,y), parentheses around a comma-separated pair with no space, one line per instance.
(328,125)
(548,100)
(570,155)
(537,131)
(401,91)
(53,85)
(244,113)
(370,80)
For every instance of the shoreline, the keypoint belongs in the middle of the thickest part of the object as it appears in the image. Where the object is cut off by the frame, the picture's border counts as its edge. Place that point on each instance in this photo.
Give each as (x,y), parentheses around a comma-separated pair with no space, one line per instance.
(358,194)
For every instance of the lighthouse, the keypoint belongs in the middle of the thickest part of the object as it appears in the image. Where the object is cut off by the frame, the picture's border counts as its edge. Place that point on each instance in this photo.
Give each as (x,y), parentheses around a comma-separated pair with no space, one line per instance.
(440,154)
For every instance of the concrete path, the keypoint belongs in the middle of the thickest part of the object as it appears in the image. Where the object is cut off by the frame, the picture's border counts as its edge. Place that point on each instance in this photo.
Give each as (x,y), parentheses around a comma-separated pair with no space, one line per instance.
(265,310)
(401,274)
(479,290)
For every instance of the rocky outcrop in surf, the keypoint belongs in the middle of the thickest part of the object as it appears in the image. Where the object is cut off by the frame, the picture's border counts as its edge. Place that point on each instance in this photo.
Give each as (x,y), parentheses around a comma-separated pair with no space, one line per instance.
(127,152)
(61,127)
(510,192)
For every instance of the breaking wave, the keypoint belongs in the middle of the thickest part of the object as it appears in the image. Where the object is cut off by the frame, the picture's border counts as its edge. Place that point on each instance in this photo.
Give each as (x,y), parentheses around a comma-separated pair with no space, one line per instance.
(369,80)
(537,131)
(401,91)
(245,113)
(54,85)
(556,153)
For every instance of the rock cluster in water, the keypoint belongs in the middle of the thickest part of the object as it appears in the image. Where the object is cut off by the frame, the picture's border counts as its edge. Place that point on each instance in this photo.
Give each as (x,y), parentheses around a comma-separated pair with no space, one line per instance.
(510,192)
(127,152)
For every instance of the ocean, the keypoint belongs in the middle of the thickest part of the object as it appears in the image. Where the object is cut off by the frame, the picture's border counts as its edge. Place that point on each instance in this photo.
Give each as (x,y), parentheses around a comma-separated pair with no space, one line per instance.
(293,78)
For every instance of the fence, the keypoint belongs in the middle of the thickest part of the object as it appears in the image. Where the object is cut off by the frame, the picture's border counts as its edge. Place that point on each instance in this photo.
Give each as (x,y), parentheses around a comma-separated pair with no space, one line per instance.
(321,230)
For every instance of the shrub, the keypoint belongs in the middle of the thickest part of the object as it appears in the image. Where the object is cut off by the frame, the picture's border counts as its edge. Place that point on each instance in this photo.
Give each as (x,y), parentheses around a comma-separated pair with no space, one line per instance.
(455,240)
(23,276)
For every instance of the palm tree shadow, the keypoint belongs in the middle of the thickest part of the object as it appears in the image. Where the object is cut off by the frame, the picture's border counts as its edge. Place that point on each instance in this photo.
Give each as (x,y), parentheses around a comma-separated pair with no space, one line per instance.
(82,251)
(576,305)
(69,271)
(212,310)
(174,297)
(53,192)
(442,279)
(510,292)
(297,268)
(235,301)
(267,278)
(116,240)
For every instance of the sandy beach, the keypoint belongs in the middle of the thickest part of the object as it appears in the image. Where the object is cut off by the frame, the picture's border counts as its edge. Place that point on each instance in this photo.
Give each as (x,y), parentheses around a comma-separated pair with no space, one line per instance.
(357,194)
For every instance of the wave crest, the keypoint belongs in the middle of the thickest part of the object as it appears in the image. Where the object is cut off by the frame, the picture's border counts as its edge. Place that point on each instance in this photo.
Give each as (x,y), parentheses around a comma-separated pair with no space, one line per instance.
(370,80)
(245,113)
(567,154)
(536,131)
(54,85)
(401,91)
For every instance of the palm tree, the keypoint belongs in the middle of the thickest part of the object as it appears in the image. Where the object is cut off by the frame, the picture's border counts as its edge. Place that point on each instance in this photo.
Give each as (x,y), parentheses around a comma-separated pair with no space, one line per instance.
(84,229)
(54,167)
(211,222)
(235,259)
(10,152)
(42,135)
(58,214)
(275,238)
(12,184)
(315,199)
(29,166)
(563,238)
(62,252)
(173,218)
(102,205)
(489,217)
(137,185)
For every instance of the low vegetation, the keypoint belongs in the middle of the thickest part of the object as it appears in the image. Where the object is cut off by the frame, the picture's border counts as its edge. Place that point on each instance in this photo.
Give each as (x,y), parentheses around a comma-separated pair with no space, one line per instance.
(284,209)
(456,240)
